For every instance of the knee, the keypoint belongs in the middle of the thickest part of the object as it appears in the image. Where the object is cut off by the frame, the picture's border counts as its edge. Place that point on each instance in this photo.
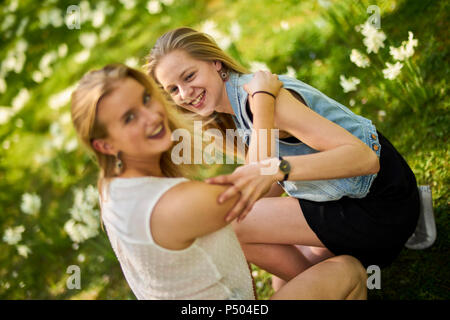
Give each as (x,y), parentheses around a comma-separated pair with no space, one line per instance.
(237,230)
(352,269)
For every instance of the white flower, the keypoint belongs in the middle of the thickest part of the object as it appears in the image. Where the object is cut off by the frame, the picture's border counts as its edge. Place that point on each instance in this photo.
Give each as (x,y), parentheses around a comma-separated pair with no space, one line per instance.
(81,257)
(8,22)
(44,65)
(235,31)
(71,145)
(15,59)
(13,235)
(291,72)
(154,7)
(374,38)
(88,39)
(91,195)
(79,232)
(65,118)
(12,6)
(374,42)
(98,18)
(85,11)
(325,3)
(37,76)
(55,17)
(349,84)
(351,102)
(224,42)
(60,99)
(23,250)
(21,45)
(84,223)
(406,50)
(47,59)
(381,115)
(398,54)
(5,114)
(132,62)
(31,203)
(20,100)
(284,25)
(392,70)
(105,34)
(256,66)
(411,41)
(82,56)
(57,136)
(128,4)
(210,27)
(361,60)
(62,50)
(105,7)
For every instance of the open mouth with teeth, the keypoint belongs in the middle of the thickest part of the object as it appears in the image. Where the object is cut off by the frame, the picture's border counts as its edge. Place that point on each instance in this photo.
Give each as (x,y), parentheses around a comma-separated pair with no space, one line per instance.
(159,132)
(198,102)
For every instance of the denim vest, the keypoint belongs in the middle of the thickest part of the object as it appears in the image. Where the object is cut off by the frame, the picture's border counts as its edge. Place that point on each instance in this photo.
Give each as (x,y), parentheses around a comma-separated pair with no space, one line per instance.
(314,190)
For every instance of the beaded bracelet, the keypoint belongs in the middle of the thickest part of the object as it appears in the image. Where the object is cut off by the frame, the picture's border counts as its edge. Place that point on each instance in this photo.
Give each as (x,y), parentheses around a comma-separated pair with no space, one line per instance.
(264,92)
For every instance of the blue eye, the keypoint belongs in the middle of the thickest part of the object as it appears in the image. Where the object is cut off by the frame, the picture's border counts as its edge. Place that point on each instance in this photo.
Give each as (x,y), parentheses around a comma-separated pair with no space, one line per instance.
(173,90)
(129,118)
(146,98)
(189,77)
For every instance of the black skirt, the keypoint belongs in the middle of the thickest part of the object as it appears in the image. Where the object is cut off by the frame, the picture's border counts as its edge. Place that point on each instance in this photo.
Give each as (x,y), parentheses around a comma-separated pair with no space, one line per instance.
(375,228)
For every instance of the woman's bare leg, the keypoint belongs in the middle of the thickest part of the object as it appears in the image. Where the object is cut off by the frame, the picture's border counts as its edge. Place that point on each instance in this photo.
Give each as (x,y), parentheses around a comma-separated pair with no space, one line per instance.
(268,235)
(284,261)
(340,277)
(277,220)
(313,255)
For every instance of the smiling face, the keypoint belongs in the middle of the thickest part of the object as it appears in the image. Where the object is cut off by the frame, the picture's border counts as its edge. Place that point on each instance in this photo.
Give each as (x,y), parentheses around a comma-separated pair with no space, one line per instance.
(193,84)
(136,123)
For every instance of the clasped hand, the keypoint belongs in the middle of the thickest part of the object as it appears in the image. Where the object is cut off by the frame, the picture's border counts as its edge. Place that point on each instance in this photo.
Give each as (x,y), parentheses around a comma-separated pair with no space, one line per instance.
(252,181)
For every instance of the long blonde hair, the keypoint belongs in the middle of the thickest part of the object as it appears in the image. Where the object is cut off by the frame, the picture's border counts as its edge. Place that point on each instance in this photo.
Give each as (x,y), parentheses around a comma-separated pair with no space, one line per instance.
(202,47)
(91,89)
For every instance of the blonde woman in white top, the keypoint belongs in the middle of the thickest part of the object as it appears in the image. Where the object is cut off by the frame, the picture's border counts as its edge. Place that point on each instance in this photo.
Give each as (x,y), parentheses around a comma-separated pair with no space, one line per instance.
(170,235)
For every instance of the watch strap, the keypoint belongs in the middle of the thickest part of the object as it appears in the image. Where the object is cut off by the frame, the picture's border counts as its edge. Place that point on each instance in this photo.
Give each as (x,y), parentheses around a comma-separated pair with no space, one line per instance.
(286,175)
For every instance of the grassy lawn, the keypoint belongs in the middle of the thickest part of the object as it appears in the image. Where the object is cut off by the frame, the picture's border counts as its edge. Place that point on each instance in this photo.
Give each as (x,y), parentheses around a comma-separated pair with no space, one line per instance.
(42,59)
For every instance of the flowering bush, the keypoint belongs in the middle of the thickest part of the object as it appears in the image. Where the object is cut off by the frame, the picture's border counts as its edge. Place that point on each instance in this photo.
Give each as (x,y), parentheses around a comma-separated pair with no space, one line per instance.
(49,215)
(409,88)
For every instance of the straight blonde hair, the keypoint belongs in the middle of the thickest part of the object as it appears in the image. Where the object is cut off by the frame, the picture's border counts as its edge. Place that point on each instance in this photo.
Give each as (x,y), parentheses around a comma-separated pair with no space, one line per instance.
(202,47)
(91,89)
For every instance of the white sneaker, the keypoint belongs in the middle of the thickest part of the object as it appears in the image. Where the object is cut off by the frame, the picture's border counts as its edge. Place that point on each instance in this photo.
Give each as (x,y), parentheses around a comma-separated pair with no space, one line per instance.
(425,233)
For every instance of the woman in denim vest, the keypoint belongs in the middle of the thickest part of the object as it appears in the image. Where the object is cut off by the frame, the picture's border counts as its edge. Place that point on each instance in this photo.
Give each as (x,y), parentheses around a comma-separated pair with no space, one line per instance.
(350,191)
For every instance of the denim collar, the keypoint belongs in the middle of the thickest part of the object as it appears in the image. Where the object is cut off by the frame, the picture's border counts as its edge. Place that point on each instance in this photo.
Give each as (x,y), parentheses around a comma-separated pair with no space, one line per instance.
(238,97)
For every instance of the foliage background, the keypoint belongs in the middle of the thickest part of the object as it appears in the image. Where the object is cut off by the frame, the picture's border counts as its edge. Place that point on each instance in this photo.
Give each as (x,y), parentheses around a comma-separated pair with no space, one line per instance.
(314,38)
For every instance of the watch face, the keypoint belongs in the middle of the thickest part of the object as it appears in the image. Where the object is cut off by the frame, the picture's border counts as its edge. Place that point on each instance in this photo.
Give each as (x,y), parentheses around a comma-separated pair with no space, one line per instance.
(284,166)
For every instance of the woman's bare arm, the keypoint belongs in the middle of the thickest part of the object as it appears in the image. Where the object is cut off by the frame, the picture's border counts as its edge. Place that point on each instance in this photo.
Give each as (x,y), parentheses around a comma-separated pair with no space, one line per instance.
(187,211)
(342,154)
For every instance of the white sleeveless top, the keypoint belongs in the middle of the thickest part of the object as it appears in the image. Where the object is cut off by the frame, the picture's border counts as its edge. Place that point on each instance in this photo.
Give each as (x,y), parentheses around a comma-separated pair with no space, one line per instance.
(213,267)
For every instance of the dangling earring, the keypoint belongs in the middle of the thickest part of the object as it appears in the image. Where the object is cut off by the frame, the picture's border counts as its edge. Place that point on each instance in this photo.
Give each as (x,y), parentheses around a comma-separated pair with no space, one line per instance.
(119,164)
(223,74)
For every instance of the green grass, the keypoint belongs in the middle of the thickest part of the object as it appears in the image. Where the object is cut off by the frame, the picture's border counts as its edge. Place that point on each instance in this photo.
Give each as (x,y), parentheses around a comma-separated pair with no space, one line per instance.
(314,39)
